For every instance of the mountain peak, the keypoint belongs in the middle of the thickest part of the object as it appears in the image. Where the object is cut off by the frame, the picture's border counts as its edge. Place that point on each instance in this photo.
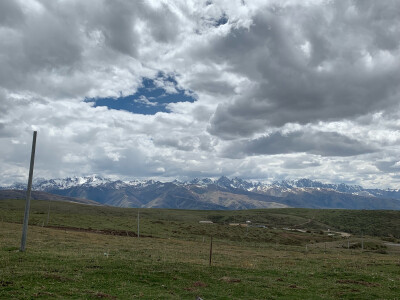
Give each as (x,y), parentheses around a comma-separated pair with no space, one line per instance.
(203,181)
(224,181)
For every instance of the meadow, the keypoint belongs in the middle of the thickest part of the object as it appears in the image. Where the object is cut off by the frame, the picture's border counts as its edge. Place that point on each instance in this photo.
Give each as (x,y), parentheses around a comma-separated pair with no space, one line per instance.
(80,251)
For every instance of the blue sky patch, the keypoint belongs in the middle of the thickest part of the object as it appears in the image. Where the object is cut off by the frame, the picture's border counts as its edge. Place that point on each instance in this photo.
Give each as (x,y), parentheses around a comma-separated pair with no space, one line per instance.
(152,97)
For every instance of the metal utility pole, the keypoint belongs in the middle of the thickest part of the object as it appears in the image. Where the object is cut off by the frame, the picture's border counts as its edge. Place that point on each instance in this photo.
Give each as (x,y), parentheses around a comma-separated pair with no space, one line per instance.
(28,195)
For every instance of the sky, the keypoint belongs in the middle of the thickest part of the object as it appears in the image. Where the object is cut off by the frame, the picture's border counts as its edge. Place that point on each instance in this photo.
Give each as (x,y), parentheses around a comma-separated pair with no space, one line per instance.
(262,90)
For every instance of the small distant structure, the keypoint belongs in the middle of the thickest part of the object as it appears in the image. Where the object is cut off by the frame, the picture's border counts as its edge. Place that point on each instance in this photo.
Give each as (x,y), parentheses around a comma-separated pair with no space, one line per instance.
(206,222)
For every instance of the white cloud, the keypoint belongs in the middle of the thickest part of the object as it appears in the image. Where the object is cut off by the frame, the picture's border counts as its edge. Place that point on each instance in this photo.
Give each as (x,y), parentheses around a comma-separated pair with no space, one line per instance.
(319,78)
(143,100)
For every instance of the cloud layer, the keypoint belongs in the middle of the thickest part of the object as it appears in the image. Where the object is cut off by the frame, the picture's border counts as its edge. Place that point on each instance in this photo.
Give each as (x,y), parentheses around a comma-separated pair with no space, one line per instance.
(282,88)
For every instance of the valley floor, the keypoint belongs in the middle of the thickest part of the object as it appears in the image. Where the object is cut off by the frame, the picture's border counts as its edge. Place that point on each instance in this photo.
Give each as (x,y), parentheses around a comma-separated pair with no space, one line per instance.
(85,265)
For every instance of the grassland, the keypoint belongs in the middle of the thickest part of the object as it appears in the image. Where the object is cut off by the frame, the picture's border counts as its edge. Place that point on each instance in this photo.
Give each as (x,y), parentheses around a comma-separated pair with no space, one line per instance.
(88,252)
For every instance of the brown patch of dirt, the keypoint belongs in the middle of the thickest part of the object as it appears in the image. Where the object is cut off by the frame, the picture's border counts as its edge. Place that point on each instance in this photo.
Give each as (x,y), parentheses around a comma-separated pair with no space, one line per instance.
(360,282)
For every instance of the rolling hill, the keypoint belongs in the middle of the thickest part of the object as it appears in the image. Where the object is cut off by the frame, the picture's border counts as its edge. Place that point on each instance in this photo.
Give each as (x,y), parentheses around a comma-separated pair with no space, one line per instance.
(37,195)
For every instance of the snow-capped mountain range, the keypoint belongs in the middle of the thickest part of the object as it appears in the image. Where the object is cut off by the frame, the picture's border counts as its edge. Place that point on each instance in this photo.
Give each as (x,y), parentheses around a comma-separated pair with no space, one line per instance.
(221,193)
(235,183)
(41,184)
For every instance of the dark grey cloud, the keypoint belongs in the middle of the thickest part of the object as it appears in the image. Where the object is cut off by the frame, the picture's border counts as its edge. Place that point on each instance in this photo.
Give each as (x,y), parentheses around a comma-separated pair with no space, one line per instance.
(163,23)
(10,13)
(67,49)
(319,143)
(3,132)
(213,86)
(328,62)
(6,131)
(50,42)
(116,21)
(42,44)
(388,166)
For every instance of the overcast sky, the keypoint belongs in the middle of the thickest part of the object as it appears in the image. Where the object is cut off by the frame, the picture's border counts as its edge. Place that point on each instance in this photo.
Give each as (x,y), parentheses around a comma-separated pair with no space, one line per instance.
(263,90)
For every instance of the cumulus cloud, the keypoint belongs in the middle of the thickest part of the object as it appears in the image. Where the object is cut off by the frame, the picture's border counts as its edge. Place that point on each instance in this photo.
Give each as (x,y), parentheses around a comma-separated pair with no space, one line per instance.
(327,62)
(319,143)
(282,88)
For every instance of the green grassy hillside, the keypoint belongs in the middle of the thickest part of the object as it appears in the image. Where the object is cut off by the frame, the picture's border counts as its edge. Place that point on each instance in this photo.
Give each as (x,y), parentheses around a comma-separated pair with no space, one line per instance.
(169,222)
(90,252)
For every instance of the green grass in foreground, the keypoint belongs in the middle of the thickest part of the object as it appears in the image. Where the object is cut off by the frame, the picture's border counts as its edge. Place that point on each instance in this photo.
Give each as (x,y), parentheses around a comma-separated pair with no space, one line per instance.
(84,265)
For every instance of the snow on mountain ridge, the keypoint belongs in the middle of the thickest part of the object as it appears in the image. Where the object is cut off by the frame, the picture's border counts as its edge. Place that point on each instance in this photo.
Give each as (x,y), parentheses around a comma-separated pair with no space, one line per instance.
(277,188)
(41,184)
